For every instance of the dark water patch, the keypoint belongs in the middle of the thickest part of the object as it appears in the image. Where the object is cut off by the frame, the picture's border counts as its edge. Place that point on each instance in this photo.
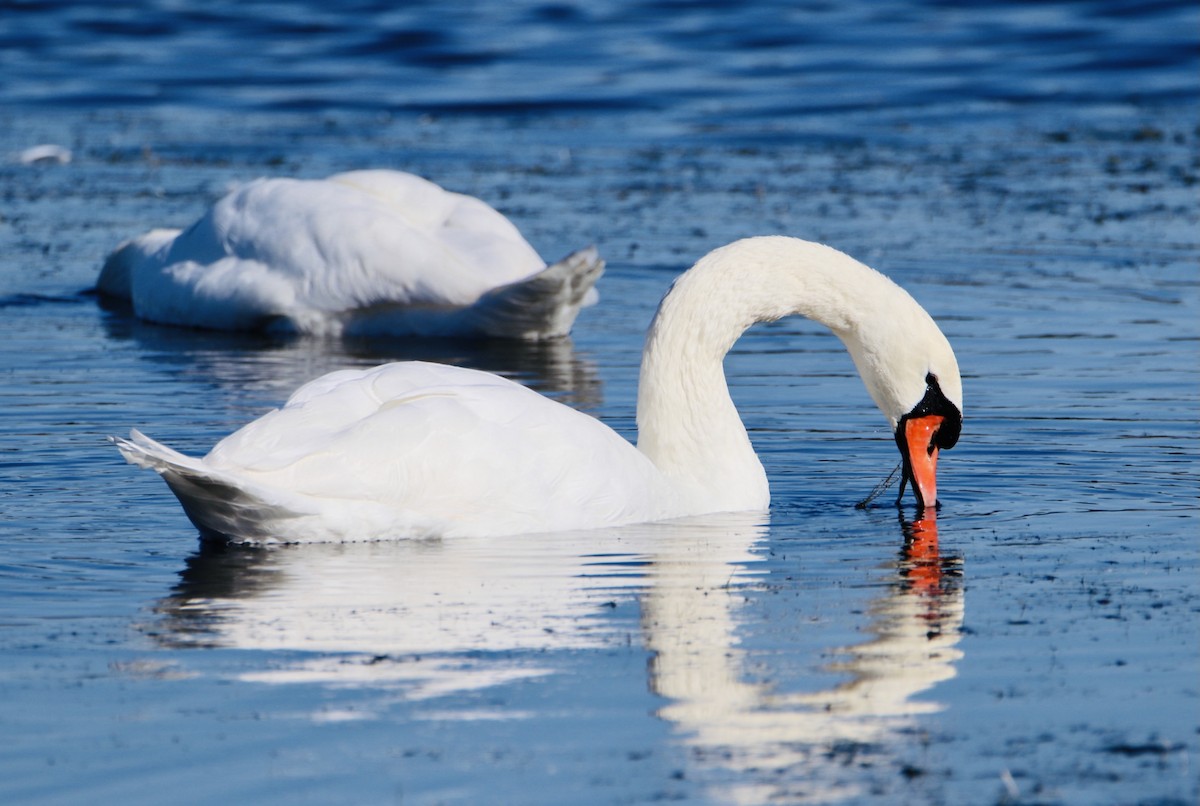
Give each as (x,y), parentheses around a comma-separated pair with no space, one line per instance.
(133,27)
(400,40)
(1147,749)
(27,300)
(519,107)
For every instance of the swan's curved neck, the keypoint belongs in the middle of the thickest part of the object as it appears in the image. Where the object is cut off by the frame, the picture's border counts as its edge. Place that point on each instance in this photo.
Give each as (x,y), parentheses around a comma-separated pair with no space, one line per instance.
(687,422)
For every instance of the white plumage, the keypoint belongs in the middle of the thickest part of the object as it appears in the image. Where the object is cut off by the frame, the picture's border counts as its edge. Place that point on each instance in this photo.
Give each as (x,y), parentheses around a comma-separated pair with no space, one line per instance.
(417,449)
(409,449)
(365,252)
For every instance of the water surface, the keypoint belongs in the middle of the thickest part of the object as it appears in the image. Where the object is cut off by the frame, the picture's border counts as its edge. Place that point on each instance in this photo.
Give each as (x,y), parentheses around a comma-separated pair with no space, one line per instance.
(1027,171)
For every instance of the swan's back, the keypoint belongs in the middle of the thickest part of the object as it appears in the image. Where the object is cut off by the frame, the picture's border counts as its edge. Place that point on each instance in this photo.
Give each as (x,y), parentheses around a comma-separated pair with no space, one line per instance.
(287,246)
(418,449)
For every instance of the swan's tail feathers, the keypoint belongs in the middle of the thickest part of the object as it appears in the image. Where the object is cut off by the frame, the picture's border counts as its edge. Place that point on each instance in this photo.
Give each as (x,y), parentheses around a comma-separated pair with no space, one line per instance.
(218,504)
(545,305)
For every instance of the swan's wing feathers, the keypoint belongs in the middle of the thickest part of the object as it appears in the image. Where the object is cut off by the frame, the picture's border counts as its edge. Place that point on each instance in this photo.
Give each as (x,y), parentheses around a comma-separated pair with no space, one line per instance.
(305,250)
(447,442)
(369,237)
(415,198)
(322,414)
(468,225)
(411,448)
(369,418)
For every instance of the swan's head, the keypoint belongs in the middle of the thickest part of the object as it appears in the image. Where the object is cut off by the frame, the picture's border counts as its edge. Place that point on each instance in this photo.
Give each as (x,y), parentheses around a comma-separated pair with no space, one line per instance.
(910,370)
(931,426)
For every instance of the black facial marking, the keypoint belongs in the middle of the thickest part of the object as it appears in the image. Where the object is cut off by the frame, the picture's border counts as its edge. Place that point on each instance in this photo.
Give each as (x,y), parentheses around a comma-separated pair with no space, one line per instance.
(936,402)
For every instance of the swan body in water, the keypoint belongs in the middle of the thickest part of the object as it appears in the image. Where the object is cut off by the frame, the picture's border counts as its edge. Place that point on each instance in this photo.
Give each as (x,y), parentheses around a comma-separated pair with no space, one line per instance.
(416,449)
(373,252)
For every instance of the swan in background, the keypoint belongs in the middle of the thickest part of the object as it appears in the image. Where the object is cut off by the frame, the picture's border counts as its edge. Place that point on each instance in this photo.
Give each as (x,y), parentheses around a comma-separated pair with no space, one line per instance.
(416,449)
(360,253)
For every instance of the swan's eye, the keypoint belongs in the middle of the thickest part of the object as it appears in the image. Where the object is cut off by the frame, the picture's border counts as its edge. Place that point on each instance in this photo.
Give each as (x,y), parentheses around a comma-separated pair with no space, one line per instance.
(930,379)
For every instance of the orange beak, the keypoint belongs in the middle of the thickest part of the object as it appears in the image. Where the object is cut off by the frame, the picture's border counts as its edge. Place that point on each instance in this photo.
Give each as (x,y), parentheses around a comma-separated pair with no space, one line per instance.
(920,459)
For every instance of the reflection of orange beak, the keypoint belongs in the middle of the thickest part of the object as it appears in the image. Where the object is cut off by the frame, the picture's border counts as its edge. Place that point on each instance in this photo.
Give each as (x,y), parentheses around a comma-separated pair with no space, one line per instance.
(924,569)
(921,461)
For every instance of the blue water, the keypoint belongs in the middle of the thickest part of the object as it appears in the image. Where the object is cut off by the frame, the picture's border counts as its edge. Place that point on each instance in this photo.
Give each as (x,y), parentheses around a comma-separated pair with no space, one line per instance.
(1028,170)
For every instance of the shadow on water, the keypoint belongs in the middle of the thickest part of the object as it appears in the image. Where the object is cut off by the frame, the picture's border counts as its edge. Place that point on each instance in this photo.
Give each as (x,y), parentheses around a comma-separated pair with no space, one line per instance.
(279,363)
(423,619)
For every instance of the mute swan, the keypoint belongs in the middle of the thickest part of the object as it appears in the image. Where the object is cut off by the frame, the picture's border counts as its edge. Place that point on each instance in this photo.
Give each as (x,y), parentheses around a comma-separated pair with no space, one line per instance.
(417,449)
(364,252)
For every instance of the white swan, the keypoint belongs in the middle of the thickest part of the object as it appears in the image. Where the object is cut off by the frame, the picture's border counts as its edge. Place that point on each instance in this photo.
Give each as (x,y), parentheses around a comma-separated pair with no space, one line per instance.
(415,449)
(365,252)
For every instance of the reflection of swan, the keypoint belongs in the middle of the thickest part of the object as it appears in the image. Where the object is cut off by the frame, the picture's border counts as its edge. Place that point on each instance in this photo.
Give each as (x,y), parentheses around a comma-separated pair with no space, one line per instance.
(269,366)
(420,449)
(365,252)
(415,620)
(422,617)
(773,745)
